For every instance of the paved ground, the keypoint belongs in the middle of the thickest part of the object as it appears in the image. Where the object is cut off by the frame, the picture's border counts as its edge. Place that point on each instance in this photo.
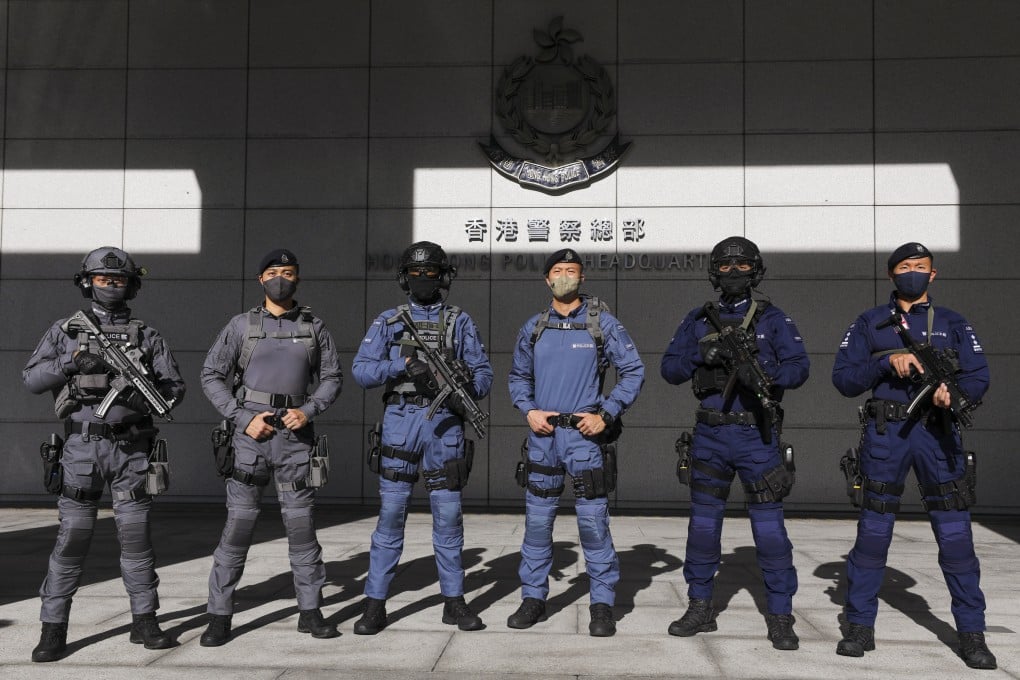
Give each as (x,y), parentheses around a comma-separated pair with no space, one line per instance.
(915,632)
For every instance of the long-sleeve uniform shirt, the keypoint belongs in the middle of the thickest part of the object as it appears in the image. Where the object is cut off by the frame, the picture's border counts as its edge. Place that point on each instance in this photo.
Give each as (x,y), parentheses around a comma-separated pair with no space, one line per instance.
(560,372)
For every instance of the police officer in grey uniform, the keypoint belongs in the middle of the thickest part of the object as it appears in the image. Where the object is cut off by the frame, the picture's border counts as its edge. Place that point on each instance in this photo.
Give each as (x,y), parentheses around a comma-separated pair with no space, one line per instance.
(113,450)
(259,374)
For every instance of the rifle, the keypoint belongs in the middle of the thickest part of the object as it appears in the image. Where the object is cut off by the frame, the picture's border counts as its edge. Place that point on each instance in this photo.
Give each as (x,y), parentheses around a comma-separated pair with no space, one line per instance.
(130,371)
(453,379)
(940,367)
(739,350)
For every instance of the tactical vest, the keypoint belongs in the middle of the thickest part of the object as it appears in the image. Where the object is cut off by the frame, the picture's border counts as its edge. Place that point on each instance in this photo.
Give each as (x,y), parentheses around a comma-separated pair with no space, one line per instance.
(708,380)
(92,388)
(592,323)
(439,335)
(305,334)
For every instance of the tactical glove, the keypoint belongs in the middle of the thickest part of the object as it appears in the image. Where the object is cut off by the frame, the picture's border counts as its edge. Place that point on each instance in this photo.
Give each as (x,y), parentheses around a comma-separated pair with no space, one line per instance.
(424,382)
(90,364)
(713,354)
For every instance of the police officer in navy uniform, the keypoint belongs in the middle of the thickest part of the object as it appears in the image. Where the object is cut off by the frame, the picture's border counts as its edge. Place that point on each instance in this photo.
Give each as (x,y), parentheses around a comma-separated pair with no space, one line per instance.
(413,446)
(731,437)
(873,357)
(271,372)
(113,450)
(556,382)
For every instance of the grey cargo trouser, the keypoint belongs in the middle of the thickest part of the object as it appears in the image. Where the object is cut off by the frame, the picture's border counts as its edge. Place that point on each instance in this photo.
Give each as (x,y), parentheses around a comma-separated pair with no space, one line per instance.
(89,462)
(285,458)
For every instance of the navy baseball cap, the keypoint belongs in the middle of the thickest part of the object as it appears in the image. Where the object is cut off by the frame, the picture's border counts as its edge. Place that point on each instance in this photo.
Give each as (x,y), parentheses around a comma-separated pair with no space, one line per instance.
(565,255)
(909,251)
(281,257)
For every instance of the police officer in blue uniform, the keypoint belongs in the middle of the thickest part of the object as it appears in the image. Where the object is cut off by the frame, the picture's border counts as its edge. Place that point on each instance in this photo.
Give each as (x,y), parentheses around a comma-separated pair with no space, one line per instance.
(112,450)
(559,362)
(411,445)
(873,357)
(731,437)
(271,372)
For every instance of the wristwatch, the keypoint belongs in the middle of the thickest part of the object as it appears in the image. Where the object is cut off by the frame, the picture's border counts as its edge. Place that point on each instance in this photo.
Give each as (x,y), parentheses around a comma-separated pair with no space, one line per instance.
(606,416)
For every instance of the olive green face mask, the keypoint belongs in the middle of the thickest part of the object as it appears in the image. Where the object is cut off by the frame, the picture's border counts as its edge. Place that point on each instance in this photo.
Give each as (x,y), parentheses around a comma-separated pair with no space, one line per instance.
(564,287)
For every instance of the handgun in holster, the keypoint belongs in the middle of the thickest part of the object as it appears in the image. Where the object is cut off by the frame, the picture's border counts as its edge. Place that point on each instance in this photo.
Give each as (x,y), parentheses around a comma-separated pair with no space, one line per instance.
(970,476)
(683,465)
(850,464)
(223,448)
(51,451)
(375,448)
(521,472)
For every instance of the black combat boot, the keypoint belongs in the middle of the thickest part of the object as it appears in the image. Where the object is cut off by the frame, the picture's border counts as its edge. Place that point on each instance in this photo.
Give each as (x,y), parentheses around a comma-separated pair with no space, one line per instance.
(145,630)
(374,618)
(456,610)
(217,632)
(699,618)
(531,611)
(781,631)
(975,652)
(859,639)
(311,621)
(602,624)
(52,643)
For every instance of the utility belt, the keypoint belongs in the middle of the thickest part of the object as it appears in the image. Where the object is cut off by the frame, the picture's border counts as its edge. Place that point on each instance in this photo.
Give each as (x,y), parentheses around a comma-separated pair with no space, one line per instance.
(885,411)
(273,400)
(157,474)
(121,432)
(452,476)
(316,477)
(590,484)
(774,485)
(401,398)
(714,417)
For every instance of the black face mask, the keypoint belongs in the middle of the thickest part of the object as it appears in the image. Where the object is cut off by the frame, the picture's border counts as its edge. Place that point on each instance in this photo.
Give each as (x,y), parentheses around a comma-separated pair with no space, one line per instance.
(424,290)
(279,289)
(735,285)
(110,297)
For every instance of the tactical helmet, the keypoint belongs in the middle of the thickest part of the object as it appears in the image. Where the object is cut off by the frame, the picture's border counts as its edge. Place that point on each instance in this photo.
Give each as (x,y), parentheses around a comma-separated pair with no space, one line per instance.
(736,248)
(426,254)
(109,260)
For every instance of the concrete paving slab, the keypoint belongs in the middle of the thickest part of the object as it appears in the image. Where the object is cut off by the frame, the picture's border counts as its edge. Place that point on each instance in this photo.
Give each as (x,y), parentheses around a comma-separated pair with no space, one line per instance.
(915,630)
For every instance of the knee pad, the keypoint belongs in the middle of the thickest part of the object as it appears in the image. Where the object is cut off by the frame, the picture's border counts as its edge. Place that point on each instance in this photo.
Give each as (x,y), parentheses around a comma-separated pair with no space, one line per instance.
(133,533)
(447,516)
(299,523)
(539,518)
(774,548)
(874,534)
(240,527)
(393,512)
(75,534)
(593,523)
(956,542)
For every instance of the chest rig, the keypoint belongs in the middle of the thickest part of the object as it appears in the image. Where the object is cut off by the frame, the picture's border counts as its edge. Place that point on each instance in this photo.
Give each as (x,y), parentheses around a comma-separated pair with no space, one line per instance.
(708,380)
(438,335)
(90,389)
(592,323)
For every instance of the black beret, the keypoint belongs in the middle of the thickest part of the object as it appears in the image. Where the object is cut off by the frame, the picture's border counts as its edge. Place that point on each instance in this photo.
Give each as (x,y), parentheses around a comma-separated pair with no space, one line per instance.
(281,257)
(908,251)
(565,255)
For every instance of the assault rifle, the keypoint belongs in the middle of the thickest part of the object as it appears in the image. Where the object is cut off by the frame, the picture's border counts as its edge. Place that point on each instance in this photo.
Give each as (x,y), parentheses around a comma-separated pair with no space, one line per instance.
(739,360)
(453,380)
(940,367)
(128,367)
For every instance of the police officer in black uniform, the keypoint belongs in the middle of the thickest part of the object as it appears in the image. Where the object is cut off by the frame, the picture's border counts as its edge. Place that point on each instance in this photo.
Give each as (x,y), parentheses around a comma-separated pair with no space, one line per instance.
(259,375)
(111,450)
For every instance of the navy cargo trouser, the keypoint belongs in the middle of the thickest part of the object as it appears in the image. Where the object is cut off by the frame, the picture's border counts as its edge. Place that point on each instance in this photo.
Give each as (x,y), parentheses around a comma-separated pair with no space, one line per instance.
(935,460)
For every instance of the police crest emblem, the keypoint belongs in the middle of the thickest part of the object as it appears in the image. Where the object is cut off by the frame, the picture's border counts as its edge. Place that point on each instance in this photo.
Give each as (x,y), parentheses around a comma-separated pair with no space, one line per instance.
(555,106)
